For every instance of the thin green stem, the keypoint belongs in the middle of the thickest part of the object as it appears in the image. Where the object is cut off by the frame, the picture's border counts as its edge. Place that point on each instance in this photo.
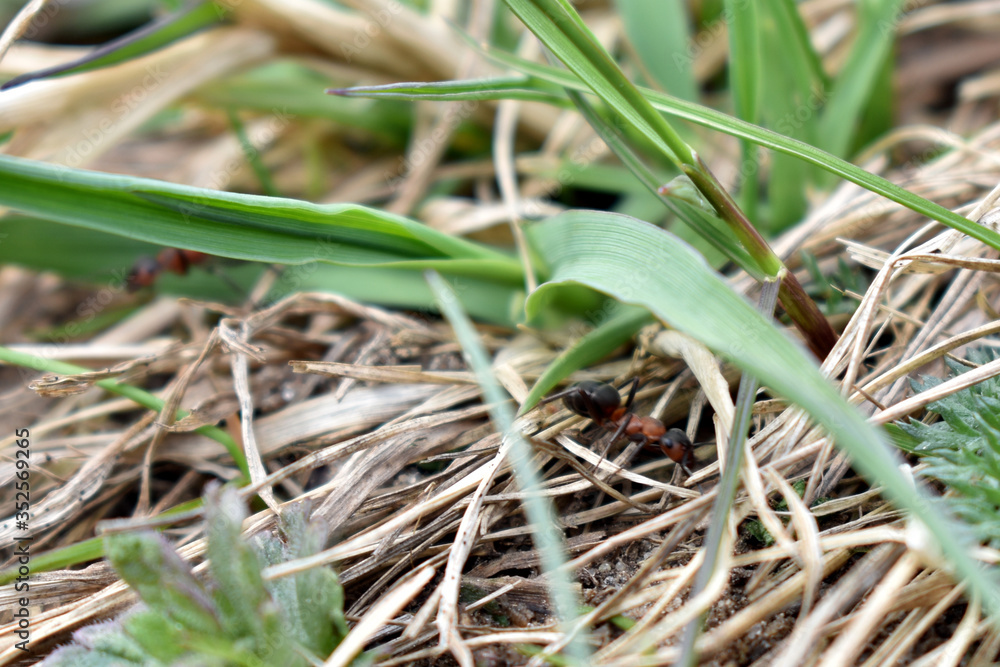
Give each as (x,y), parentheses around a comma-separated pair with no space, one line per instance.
(745,399)
(140,396)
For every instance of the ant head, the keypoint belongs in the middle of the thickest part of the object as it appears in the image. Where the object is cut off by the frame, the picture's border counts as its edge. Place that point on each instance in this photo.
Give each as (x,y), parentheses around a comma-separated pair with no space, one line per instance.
(179,261)
(142,274)
(676,445)
(590,397)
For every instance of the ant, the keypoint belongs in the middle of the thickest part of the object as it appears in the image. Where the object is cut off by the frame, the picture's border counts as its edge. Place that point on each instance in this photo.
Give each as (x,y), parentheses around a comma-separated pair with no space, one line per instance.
(601,403)
(146,269)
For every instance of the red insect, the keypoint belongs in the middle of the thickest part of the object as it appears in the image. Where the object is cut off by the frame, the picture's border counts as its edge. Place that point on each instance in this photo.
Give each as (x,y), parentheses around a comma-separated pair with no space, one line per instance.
(146,269)
(601,402)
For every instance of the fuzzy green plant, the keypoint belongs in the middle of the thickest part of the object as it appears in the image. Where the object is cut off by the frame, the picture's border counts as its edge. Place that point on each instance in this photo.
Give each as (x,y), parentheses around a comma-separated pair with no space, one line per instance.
(962,449)
(230,617)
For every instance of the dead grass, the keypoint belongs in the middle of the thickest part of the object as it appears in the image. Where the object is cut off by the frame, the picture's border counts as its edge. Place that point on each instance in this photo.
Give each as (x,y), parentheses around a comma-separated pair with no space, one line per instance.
(372,417)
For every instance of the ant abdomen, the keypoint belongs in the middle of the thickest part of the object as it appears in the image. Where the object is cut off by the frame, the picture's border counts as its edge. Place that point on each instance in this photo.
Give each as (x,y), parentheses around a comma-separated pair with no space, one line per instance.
(589,397)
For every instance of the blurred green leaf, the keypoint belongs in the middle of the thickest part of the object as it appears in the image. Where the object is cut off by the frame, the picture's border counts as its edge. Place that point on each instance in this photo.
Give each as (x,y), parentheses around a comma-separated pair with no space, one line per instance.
(855,84)
(659,32)
(249,227)
(150,38)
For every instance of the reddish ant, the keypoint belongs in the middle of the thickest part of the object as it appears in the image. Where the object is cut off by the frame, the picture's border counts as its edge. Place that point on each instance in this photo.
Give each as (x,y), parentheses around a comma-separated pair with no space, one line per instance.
(146,269)
(601,402)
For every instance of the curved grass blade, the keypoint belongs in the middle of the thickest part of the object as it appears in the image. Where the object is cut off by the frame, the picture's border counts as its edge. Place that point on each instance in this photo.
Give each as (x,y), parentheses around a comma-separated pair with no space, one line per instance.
(677,286)
(855,85)
(624,322)
(105,259)
(154,36)
(248,227)
(706,224)
(140,396)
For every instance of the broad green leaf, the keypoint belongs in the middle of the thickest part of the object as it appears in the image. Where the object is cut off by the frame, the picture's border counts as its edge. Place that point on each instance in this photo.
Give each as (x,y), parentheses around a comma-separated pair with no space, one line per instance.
(105,259)
(145,40)
(677,286)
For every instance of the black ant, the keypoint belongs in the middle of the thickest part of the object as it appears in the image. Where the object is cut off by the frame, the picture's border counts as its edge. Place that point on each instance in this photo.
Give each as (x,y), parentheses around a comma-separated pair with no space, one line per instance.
(147,269)
(600,402)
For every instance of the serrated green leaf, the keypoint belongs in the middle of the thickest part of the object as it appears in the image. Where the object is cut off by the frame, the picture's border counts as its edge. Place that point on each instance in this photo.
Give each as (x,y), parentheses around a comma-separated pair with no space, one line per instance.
(239,595)
(164,582)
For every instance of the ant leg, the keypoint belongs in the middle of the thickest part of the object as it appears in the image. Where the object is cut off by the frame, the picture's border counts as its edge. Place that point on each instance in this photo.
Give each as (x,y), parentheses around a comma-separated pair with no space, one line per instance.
(631,394)
(556,396)
(614,438)
(621,427)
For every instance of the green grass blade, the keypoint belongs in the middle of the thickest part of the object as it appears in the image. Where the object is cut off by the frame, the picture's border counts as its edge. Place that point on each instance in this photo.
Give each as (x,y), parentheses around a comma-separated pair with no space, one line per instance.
(717,120)
(287,88)
(586,247)
(517,87)
(619,327)
(745,78)
(856,83)
(541,518)
(705,224)
(249,227)
(560,28)
(658,31)
(797,29)
(140,396)
(794,99)
(145,40)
